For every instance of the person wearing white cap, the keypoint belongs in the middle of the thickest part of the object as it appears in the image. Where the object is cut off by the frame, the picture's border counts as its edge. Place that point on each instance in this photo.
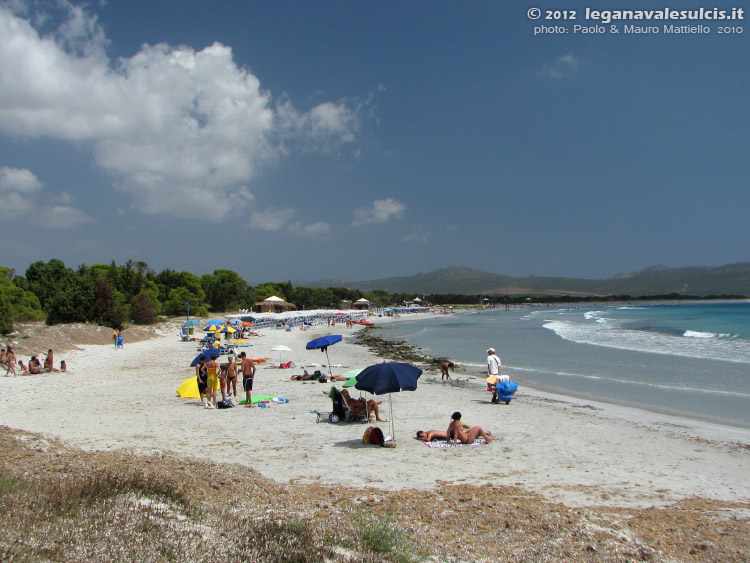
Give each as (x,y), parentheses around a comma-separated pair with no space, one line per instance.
(494,367)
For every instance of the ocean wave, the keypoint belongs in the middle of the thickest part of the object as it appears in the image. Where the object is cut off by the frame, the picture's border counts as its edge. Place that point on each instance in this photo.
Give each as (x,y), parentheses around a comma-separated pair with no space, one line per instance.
(698,334)
(613,336)
(708,391)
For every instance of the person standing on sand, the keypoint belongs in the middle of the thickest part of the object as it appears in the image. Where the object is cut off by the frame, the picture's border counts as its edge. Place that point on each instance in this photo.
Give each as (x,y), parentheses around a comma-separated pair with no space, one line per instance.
(202,375)
(212,382)
(248,375)
(494,367)
(114,337)
(232,377)
(10,359)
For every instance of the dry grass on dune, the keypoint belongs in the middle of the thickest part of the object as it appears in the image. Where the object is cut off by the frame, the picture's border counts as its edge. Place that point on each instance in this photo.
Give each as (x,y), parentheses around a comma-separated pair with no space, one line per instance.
(62,504)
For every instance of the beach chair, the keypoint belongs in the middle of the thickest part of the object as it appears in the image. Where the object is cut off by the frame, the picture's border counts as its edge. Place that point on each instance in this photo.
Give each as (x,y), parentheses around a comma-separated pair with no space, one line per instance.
(355,410)
(338,412)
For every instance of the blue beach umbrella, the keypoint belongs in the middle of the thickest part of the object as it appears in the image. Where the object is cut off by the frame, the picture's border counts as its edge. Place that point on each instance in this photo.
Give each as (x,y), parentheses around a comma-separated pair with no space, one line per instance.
(191,322)
(388,377)
(205,354)
(322,344)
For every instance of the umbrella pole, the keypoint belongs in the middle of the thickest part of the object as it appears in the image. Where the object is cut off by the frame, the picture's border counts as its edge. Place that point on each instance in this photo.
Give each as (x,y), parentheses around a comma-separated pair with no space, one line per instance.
(390,402)
(330,371)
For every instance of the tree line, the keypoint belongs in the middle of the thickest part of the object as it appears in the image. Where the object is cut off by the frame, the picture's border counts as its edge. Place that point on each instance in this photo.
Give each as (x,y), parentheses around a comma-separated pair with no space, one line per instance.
(112,295)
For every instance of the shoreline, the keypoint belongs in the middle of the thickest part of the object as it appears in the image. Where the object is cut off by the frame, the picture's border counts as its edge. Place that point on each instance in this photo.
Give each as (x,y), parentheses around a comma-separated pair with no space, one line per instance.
(524,375)
(549,444)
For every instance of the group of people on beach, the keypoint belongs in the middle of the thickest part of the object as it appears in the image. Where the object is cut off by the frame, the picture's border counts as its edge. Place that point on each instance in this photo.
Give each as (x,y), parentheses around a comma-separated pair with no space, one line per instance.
(213,377)
(457,430)
(35,367)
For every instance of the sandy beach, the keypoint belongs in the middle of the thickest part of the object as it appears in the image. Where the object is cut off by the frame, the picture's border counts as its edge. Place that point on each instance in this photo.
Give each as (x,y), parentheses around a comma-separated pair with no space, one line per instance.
(570,451)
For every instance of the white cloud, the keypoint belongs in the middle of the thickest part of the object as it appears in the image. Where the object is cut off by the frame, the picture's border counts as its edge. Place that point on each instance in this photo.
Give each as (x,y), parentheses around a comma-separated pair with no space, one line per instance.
(18,188)
(381,211)
(560,67)
(274,219)
(61,217)
(19,191)
(184,132)
(317,229)
(419,236)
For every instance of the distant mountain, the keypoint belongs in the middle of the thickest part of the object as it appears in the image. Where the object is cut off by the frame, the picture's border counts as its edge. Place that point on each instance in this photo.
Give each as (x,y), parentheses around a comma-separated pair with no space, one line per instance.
(732,279)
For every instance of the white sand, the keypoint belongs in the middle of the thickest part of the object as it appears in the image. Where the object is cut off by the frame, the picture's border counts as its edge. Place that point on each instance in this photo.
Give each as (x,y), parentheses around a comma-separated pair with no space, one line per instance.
(557,446)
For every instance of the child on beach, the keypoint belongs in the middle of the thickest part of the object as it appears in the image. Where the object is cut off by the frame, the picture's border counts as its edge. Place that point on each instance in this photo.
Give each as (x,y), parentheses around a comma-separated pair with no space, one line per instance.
(10,360)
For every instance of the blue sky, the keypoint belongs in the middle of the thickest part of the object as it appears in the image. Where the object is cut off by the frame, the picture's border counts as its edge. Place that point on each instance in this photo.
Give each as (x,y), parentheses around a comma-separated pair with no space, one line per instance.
(291,140)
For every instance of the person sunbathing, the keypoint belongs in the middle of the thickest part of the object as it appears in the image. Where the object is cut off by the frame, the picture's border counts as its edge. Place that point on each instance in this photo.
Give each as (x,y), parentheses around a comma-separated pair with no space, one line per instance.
(457,433)
(362,406)
(304,377)
(430,435)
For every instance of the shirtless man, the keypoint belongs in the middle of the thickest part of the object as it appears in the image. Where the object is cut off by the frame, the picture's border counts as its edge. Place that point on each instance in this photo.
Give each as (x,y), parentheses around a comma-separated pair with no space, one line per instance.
(248,375)
(457,433)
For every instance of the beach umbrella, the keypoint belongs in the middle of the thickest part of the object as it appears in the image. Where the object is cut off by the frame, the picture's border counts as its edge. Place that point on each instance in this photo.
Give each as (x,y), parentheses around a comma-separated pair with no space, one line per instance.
(247,319)
(351,376)
(388,377)
(228,330)
(215,322)
(322,344)
(207,353)
(281,348)
(191,322)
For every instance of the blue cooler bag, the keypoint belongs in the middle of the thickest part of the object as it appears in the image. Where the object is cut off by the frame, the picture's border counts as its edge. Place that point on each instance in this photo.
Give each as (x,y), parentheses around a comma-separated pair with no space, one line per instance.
(505,391)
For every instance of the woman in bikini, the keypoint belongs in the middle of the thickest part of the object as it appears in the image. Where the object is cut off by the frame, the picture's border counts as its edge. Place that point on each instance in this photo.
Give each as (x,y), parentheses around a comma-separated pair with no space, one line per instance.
(232,377)
(457,433)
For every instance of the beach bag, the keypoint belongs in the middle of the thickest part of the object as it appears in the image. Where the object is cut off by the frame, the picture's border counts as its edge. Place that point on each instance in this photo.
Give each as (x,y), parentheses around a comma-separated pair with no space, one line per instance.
(376,436)
(366,436)
(223,404)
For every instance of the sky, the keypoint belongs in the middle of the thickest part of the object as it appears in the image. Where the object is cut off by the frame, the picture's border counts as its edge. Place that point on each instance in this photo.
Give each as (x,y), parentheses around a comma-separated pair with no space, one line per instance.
(360,139)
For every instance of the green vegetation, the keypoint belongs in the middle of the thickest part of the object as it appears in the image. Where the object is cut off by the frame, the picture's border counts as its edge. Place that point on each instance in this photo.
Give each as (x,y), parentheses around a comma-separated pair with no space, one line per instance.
(384,537)
(112,295)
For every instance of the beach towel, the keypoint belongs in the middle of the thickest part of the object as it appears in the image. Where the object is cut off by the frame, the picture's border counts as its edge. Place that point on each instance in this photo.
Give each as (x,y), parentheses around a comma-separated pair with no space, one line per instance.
(449,444)
(255,399)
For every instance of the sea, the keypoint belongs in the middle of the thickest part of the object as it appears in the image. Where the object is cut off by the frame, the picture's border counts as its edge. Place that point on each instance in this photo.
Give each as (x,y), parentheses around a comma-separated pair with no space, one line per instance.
(683,359)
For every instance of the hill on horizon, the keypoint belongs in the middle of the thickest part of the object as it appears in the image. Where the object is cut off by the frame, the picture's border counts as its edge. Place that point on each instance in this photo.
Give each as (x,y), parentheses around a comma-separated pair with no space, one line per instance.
(700,281)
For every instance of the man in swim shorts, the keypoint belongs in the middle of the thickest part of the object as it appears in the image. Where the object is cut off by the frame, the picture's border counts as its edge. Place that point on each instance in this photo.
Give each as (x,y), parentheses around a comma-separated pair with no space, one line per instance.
(248,375)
